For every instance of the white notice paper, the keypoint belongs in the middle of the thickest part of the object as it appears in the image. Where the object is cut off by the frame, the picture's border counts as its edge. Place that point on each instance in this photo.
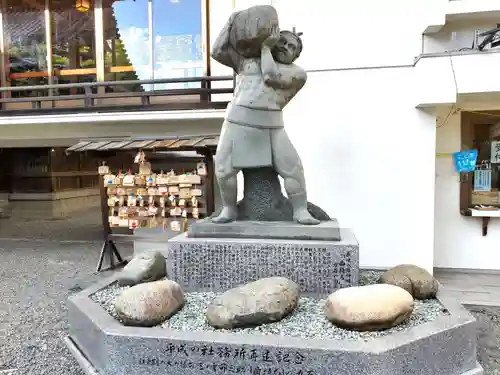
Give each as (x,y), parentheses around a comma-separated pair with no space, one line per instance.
(482,180)
(495,152)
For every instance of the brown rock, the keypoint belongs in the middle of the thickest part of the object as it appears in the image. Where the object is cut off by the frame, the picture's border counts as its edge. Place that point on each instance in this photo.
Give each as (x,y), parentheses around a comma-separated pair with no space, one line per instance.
(149,304)
(369,308)
(263,301)
(415,280)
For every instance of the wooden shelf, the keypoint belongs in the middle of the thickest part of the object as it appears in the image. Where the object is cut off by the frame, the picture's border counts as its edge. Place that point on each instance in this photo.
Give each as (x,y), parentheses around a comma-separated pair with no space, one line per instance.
(484,213)
(485,216)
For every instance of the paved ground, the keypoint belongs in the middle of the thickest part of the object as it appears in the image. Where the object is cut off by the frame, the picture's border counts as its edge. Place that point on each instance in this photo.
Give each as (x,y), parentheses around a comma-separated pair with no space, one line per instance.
(488,337)
(480,289)
(85,226)
(36,279)
(39,272)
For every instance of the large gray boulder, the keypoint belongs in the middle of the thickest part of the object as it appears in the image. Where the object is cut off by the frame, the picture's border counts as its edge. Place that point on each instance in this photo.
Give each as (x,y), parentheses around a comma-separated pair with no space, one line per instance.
(259,302)
(149,304)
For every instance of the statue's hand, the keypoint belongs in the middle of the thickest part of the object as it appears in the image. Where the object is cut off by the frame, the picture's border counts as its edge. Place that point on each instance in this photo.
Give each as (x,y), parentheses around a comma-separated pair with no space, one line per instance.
(272,39)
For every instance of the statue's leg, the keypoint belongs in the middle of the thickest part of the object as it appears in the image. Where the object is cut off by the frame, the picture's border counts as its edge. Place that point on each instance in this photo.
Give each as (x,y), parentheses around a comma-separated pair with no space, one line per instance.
(286,162)
(226,177)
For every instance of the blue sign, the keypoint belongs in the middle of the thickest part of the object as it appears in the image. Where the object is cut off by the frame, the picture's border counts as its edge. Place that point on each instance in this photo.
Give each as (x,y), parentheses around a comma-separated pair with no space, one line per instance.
(465,161)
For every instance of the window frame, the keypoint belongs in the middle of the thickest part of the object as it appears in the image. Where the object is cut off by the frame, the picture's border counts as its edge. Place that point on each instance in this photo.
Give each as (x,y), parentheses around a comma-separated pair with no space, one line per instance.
(99,41)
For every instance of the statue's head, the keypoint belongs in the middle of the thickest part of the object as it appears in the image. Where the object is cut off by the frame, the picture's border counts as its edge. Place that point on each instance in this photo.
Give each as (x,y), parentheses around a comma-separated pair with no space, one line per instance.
(288,48)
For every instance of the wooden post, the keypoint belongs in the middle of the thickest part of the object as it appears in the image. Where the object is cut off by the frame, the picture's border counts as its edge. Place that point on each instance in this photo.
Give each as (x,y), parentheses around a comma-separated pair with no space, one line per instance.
(108,245)
(210,182)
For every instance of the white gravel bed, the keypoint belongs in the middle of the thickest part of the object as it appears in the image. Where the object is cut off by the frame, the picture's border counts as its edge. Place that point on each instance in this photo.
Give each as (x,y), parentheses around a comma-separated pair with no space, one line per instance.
(306,321)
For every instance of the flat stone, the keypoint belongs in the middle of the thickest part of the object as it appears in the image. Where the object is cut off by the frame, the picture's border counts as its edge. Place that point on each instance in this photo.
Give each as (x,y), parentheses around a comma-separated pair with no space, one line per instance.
(369,308)
(259,302)
(325,231)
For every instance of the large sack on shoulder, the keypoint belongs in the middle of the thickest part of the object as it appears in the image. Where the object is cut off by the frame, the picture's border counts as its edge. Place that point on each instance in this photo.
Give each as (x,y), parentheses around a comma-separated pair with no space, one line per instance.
(251,27)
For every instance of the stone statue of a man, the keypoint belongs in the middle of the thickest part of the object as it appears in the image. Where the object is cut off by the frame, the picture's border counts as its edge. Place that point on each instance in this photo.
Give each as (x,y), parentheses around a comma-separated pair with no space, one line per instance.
(253,133)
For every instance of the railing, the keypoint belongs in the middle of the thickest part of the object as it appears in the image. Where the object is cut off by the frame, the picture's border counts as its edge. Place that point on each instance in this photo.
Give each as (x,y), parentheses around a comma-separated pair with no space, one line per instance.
(200,98)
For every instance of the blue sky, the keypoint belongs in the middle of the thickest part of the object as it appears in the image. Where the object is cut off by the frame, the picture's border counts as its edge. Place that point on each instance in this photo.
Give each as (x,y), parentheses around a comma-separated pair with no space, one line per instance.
(170,17)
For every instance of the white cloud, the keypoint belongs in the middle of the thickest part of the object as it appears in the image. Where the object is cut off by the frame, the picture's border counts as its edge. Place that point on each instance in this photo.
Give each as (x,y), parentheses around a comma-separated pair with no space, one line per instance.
(136,44)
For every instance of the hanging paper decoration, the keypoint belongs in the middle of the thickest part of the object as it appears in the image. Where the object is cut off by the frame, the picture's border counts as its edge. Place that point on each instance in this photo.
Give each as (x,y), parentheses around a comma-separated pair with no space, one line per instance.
(201,168)
(482,180)
(103,169)
(465,161)
(495,152)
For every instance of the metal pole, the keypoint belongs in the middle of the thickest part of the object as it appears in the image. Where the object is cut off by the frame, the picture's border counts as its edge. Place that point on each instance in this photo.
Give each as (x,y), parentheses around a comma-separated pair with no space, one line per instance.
(205,36)
(151,31)
(99,43)
(4,59)
(48,40)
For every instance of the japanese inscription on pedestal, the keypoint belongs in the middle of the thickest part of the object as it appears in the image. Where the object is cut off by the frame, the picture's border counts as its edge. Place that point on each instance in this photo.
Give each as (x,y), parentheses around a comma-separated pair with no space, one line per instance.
(231,360)
(316,269)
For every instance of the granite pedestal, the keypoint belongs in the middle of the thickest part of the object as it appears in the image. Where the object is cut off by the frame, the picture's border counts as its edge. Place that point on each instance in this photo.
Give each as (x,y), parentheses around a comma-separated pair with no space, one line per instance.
(218,264)
(325,231)
(103,346)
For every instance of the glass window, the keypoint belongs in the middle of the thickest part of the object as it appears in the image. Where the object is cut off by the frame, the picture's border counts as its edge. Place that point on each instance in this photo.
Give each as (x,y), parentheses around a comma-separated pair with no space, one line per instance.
(73,45)
(178,51)
(25,42)
(142,39)
(127,42)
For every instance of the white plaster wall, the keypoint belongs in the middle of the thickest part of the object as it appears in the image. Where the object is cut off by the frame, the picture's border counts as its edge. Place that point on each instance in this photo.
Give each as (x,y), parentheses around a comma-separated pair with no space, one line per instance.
(369,155)
(359,33)
(369,160)
(440,79)
(457,9)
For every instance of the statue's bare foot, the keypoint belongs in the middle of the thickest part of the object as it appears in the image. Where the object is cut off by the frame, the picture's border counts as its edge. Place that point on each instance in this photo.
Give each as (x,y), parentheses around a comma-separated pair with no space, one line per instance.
(305,218)
(226,216)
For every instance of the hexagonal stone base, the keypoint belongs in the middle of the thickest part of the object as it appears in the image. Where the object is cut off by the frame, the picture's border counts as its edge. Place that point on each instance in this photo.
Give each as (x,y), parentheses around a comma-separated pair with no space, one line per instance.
(445,346)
